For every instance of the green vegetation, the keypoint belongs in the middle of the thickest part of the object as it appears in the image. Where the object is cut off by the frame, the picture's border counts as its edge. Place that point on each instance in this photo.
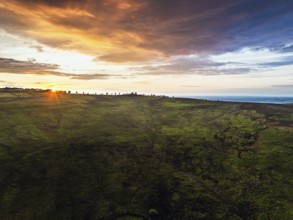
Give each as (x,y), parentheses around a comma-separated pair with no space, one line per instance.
(88,157)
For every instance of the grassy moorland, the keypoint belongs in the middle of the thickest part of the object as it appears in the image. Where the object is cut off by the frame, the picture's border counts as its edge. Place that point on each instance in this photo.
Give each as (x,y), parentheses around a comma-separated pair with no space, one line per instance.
(134,157)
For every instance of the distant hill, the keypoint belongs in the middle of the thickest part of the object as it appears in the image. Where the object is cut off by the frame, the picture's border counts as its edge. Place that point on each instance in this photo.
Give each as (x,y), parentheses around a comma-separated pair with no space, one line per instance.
(70,156)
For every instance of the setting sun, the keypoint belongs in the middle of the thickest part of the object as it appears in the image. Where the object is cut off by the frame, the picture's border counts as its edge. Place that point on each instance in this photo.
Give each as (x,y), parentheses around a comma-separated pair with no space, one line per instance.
(53,89)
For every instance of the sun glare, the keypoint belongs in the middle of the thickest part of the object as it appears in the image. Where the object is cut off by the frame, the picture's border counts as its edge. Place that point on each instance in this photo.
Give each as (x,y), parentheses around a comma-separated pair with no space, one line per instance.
(53,89)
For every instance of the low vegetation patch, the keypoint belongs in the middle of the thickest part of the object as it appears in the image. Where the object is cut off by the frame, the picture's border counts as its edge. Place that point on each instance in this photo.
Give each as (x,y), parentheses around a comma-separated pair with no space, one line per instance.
(134,157)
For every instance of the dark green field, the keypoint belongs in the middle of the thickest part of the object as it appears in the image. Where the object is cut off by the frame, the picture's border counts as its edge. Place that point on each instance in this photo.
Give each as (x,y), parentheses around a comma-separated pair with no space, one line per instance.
(134,157)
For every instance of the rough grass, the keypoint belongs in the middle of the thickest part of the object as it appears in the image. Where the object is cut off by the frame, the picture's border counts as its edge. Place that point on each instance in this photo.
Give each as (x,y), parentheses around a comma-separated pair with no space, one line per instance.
(101,157)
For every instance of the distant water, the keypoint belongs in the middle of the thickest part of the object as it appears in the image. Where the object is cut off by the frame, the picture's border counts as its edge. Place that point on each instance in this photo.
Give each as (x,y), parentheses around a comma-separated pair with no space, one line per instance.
(255,99)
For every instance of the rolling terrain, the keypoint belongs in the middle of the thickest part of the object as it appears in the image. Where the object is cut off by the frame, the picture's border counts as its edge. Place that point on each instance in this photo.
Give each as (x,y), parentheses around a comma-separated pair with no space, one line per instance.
(69,156)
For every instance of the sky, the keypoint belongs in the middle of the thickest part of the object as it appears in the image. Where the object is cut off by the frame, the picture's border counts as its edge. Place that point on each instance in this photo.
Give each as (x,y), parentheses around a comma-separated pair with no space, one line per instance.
(167,47)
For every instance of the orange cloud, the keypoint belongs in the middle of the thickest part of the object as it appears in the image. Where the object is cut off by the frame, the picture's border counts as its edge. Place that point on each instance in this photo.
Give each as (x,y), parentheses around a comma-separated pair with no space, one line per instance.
(73,26)
(152,27)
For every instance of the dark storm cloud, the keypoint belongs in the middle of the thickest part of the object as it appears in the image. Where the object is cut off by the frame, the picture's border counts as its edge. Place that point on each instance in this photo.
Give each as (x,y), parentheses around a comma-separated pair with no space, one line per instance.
(53,3)
(167,27)
(30,67)
(181,27)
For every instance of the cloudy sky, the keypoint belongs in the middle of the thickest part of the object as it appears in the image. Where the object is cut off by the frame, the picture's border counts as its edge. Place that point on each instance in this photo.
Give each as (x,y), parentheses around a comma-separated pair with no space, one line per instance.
(171,47)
